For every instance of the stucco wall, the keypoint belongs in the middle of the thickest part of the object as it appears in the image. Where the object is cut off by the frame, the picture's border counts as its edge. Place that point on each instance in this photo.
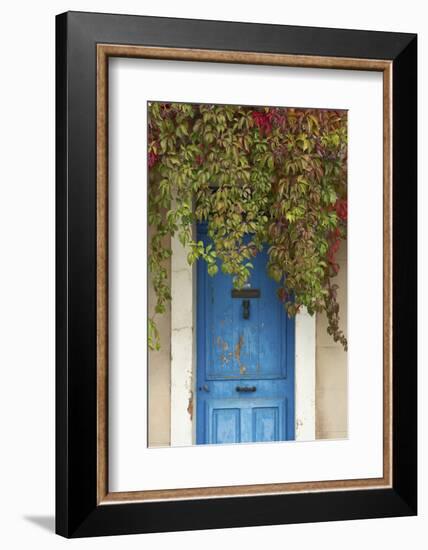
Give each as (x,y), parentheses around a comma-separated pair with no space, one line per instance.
(331,368)
(159,376)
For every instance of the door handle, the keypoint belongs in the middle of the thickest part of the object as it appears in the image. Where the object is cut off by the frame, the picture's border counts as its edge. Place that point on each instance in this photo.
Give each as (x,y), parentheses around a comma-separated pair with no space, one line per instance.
(245,309)
(246,389)
(204,388)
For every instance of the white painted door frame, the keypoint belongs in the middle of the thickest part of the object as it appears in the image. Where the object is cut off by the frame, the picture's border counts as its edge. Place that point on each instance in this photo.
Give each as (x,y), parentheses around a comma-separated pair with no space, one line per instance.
(183,357)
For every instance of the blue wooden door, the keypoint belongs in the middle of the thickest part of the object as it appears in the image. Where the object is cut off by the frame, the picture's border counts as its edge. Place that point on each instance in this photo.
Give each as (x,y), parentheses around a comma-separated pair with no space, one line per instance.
(245,359)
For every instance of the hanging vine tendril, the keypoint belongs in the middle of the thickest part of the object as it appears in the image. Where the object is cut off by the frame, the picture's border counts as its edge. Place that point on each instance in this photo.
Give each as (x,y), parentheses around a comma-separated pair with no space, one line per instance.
(276,174)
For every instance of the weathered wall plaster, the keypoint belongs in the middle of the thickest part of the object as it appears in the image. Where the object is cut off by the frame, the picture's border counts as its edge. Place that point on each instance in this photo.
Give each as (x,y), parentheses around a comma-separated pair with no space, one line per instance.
(159,376)
(332,368)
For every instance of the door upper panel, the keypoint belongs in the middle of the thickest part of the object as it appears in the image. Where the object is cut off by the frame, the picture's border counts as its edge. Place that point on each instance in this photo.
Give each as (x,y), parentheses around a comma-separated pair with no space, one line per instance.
(246,335)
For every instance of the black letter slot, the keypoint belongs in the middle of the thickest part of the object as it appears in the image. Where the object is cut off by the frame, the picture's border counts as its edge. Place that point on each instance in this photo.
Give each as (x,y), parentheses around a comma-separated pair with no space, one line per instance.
(246,293)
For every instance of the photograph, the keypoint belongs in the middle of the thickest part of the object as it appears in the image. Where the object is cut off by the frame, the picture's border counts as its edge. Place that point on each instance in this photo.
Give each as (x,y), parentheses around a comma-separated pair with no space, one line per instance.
(212,275)
(236,247)
(247,213)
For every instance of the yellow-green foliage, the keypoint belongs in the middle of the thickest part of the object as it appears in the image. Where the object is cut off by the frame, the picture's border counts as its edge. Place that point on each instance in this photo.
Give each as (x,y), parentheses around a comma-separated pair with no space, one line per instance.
(276,174)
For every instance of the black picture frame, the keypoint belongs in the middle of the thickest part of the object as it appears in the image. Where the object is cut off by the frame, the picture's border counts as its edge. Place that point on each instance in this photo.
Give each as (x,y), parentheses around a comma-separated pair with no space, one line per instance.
(78,513)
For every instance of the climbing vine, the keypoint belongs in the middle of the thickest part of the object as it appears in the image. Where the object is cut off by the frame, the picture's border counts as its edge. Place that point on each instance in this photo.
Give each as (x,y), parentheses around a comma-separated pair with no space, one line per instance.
(277,175)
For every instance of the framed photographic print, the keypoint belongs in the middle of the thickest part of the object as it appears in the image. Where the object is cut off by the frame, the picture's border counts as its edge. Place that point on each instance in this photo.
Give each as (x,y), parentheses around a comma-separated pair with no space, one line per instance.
(236,274)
